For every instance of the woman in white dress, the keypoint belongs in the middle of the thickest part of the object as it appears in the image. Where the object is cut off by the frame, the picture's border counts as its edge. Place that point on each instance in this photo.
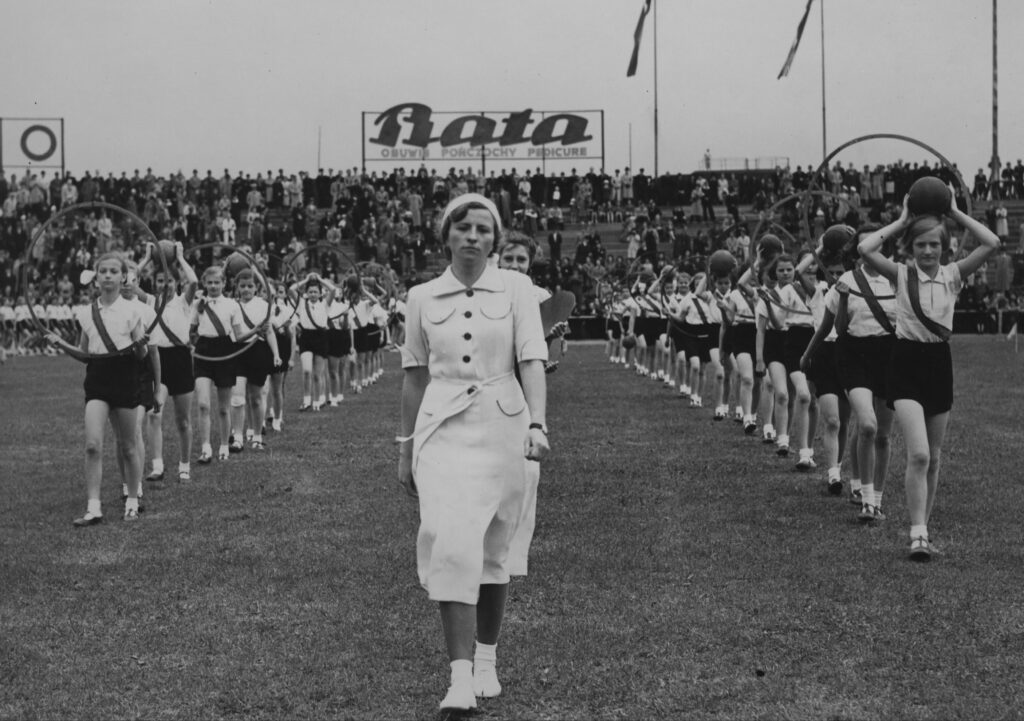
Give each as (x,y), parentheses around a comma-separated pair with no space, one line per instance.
(466,425)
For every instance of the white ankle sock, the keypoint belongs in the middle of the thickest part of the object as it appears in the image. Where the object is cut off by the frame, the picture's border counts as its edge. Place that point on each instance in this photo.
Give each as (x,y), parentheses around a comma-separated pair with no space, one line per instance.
(919,531)
(867,494)
(485,677)
(94,508)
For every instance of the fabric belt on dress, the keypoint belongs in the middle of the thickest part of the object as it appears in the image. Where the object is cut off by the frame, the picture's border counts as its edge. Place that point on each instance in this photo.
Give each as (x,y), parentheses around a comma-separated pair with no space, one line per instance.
(459,402)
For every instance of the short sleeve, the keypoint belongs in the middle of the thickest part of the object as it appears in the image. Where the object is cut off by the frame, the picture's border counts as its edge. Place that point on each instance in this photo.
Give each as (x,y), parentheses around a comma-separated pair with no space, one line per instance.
(956,282)
(415,350)
(832,300)
(529,331)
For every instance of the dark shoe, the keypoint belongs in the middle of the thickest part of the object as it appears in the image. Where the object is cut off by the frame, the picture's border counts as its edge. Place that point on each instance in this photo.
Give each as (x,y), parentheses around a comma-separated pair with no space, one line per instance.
(920,550)
(205,458)
(835,487)
(154,477)
(87,520)
(236,446)
(856,498)
(131,515)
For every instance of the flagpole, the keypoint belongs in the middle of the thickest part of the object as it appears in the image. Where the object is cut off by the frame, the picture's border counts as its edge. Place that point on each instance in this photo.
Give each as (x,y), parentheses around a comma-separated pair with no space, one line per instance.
(995,164)
(654,7)
(824,139)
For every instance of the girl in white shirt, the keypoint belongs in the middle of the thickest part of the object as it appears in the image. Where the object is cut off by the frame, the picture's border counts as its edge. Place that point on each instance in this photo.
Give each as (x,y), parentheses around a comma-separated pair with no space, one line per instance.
(921,366)
(112,329)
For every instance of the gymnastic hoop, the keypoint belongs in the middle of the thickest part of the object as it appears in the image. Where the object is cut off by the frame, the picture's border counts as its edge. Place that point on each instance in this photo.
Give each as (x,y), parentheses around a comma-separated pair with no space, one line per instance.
(40,233)
(266,284)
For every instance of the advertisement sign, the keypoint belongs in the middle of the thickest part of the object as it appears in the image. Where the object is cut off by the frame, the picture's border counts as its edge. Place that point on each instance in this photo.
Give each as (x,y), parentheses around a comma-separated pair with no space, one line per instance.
(32,142)
(413,132)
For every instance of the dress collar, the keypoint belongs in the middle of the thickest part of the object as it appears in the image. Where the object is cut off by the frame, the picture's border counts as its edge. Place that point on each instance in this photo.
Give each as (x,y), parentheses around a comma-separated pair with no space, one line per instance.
(941,277)
(447,283)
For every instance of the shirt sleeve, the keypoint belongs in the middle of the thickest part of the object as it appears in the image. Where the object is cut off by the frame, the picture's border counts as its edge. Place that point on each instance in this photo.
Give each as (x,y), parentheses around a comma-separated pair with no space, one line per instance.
(416,350)
(832,300)
(529,331)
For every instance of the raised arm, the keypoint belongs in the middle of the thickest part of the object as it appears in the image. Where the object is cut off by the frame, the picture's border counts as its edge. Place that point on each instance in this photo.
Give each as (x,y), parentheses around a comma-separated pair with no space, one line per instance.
(870,248)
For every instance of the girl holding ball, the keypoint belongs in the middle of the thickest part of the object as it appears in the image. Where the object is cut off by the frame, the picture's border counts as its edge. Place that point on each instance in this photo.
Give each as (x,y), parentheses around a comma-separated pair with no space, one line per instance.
(920,373)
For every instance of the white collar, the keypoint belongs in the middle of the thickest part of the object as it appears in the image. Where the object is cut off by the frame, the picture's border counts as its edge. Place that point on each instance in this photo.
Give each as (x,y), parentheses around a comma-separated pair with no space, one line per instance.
(447,283)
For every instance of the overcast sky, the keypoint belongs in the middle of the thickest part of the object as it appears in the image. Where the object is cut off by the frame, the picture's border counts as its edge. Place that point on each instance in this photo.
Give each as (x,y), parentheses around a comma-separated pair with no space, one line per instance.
(248,84)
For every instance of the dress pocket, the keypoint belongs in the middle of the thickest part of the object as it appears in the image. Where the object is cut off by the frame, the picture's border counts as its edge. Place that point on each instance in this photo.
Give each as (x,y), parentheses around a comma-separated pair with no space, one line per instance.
(512,405)
(440,312)
(496,309)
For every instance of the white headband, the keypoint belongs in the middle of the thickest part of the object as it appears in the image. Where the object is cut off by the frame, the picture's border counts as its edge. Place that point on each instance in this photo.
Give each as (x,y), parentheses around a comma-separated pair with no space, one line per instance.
(467,198)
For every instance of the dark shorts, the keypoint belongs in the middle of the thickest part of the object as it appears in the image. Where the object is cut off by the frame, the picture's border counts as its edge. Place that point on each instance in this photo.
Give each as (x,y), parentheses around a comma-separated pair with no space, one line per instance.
(825,372)
(650,329)
(677,336)
(222,373)
(147,392)
(742,338)
(864,362)
(284,350)
(339,342)
(700,339)
(774,346)
(613,325)
(921,372)
(367,338)
(255,364)
(176,370)
(313,340)
(798,337)
(115,381)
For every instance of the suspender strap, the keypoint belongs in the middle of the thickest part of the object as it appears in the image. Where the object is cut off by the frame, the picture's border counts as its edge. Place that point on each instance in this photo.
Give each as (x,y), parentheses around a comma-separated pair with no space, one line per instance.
(872,300)
(168,332)
(309,314)
(773,299)
(700,310)
(214,318)
(245,317)
(97,321)
(914,291)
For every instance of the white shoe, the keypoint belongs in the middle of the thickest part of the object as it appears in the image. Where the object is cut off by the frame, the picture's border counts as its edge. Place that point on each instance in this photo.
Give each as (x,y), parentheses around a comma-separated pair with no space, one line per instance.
(276,424)
(459,697)
(485,682)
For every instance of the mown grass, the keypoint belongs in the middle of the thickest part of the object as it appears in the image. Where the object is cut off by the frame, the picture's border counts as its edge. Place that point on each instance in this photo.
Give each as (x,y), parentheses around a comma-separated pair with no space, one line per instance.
(680,570)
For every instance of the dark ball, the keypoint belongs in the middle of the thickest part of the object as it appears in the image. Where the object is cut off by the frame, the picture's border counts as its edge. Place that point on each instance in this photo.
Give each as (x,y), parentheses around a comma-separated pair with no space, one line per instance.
(928,196)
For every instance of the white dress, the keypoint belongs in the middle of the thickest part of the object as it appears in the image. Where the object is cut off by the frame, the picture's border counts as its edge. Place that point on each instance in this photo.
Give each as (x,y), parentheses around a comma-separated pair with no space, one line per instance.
(471,427)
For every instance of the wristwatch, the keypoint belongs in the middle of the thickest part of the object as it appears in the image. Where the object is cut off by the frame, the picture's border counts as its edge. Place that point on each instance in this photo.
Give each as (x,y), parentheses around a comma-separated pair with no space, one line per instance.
(540,427)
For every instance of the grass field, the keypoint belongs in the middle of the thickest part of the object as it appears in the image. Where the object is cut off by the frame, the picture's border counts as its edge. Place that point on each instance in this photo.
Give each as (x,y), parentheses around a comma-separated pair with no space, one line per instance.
(680,570)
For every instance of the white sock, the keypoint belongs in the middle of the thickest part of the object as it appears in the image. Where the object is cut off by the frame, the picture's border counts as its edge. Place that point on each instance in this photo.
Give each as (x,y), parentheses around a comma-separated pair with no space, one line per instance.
(184,467)
(783,440)
(94,507)
(257,438)
(855,484)
(867,494)
(919,531)
(207,448)
(223,448)
(878,499)
(158,465)
(833,473)
(485,679)
(307,400)
(124,489)
(132,504)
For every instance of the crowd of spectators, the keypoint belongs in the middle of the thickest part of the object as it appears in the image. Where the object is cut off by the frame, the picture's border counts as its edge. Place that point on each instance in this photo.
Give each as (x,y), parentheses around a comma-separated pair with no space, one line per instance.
(387,217)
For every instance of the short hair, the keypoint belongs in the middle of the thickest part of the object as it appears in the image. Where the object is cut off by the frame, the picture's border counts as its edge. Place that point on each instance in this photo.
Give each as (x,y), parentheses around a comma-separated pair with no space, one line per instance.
(921,225)
(460,213)
(112,255)
(212,271)
(517,238)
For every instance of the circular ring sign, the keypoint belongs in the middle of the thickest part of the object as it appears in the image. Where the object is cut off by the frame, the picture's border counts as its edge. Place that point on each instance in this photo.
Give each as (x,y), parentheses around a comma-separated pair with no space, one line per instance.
(38,157)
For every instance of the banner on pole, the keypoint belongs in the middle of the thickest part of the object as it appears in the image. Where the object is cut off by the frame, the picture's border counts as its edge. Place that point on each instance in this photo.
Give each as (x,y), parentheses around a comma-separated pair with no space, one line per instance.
(32,142)
(413,132)
(637,35)
(796,42)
